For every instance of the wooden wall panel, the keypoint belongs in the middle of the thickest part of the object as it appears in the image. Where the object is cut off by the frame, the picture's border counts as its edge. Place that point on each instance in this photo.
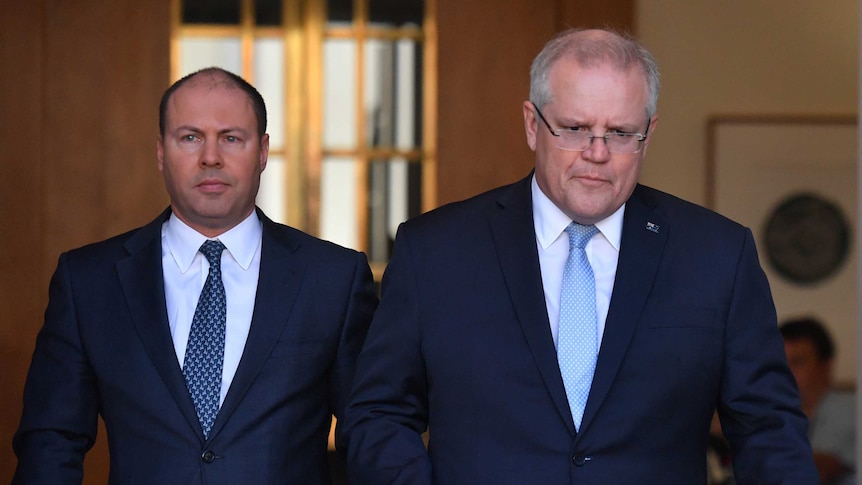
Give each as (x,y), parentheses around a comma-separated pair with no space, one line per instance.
(616,14)
(485,51)
(103,94)
(22,138)
(79,94)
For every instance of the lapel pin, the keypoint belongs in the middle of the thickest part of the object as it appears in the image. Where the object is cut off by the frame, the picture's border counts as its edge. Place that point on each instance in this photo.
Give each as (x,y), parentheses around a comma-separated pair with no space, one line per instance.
(652,227)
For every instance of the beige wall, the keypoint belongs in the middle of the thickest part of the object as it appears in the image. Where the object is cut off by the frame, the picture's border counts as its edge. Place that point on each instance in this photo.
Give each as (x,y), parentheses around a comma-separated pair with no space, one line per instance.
(751,57)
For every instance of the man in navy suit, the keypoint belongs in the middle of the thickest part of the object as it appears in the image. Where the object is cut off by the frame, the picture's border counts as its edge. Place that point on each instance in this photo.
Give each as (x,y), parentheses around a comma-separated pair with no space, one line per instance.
(117,338)
(468,345)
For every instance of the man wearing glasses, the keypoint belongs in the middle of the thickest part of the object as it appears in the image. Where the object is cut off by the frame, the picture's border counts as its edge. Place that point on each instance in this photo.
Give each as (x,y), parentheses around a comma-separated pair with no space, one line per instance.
(576,327)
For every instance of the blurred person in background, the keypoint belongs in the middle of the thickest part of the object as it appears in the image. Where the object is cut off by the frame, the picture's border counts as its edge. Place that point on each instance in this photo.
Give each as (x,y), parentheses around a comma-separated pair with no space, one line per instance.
(831,412)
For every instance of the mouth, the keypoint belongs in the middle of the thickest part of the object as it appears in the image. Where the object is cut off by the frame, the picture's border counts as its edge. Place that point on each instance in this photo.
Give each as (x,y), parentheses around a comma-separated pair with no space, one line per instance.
(590,180)
(212,186)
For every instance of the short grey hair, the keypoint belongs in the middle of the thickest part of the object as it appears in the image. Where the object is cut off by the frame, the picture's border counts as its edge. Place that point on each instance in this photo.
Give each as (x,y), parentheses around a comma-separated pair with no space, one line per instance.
(592,48)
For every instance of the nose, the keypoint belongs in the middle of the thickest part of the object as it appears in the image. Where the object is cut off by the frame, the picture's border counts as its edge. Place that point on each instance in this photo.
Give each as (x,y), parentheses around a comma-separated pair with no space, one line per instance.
(210,154)
(597,151)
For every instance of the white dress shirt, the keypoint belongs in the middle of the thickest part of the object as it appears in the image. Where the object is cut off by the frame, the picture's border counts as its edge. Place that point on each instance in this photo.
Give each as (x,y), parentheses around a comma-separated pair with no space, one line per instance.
(185,272)
(603,252)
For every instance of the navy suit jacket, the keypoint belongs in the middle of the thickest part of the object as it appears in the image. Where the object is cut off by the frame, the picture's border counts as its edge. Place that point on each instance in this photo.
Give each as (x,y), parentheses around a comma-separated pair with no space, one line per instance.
(106,349)
(461,344)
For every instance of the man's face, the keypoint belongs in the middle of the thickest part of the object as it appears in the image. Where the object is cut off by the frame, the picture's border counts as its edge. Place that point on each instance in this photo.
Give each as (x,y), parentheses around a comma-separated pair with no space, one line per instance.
(812,374)
(591,185)
(210,155)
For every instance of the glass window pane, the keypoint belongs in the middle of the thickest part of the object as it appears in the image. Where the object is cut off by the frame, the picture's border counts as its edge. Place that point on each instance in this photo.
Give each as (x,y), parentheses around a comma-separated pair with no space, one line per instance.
(396,12)
(269,80)
(339,94)
(272,197)
(393,93)
(200,52)
(379,242)
(211,12)
(395,195)
(338,194)
(267,12)
(408,83)
(379,93)
(339,10)
(405,193)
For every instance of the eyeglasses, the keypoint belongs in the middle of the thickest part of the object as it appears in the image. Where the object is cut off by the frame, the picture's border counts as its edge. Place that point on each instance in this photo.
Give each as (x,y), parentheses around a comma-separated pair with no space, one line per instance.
(578,140)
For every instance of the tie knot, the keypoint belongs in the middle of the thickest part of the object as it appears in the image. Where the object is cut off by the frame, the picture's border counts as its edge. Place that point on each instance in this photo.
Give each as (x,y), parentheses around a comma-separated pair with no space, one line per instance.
(212,251)
(579,234)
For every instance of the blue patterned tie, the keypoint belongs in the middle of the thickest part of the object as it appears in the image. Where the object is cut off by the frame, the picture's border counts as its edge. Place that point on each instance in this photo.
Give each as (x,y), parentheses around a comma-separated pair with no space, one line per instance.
(577,342)
(204,358)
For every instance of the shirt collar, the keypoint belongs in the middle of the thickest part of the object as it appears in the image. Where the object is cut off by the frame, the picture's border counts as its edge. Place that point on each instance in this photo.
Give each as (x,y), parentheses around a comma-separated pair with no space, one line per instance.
(550,222)
(241,241)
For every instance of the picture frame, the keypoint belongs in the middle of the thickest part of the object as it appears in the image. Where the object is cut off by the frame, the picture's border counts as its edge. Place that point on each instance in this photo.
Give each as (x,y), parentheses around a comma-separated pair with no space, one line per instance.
(792,179)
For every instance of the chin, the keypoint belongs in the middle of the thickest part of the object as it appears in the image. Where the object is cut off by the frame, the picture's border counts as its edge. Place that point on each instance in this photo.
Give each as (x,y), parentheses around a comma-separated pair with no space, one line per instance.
(579,211)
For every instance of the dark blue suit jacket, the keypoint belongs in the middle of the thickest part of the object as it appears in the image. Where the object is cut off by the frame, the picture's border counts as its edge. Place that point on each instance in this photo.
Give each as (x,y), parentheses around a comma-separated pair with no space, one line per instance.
(105,349)
(461,344)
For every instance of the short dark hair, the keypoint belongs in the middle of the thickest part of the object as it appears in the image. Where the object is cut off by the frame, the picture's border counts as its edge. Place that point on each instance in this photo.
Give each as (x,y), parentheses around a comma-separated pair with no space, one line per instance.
(232,80)
(811,329)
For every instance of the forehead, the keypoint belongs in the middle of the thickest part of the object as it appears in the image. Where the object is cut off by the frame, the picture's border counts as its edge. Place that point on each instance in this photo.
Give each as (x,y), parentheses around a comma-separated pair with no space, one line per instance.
(209,96)
(601,86)
(800,347)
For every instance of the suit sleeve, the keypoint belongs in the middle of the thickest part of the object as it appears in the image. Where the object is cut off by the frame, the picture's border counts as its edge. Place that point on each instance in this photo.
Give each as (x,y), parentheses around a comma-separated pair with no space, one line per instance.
(759,404)
(388,410)
(60,417)
(361,303)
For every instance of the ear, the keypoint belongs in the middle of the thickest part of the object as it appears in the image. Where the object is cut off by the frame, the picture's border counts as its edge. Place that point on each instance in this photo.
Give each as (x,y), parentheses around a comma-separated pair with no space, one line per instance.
(653,124)
(160,152)
(530,124)
(264,151)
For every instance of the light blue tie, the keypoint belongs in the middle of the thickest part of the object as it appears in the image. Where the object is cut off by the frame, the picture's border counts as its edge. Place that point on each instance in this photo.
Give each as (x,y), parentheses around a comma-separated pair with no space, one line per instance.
(204,359)
(577,341)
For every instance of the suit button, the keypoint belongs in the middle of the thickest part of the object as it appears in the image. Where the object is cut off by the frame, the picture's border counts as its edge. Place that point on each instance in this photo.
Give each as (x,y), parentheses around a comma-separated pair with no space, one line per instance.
(208,456)
(579,460)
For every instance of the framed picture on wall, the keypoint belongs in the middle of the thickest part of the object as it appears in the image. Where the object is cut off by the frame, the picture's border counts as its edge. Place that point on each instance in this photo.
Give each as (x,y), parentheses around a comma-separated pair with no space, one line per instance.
(793,181)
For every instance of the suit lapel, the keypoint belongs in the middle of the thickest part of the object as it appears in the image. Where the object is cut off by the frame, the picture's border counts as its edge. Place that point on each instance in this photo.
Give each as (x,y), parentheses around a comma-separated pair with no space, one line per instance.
(141,279)
(644,235)
(515,239)
(278,284)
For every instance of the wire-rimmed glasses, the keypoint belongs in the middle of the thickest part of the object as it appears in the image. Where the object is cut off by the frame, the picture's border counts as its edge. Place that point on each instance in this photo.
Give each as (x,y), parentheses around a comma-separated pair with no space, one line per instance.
(580,140)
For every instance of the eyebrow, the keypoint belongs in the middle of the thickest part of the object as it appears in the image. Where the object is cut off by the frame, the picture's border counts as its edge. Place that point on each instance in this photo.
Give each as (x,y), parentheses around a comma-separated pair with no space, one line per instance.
(229,129)
(621,127)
